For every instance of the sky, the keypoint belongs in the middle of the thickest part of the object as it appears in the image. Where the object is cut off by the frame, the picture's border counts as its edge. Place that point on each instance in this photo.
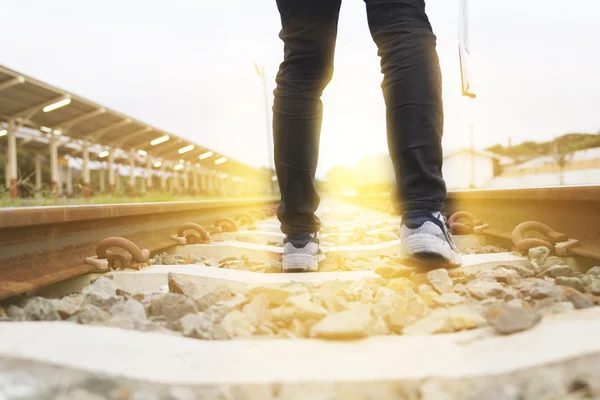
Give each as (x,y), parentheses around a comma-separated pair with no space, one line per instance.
(187,66)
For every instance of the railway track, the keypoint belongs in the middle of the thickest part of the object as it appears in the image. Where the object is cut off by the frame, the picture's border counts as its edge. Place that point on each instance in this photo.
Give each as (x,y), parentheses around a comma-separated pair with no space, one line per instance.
(209,316)
(44,245)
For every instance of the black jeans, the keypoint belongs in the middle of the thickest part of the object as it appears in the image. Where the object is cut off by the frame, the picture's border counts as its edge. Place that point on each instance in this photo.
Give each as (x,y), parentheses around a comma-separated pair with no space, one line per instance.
(411,89)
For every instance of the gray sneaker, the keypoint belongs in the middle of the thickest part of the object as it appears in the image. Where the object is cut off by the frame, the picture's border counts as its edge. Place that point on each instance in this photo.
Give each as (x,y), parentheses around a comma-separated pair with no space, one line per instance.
(301,253)
(426,241)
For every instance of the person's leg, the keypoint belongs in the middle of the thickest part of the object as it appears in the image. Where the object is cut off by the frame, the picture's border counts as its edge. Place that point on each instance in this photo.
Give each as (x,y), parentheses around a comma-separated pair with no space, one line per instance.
(413,96)
(412,88)
(309,29)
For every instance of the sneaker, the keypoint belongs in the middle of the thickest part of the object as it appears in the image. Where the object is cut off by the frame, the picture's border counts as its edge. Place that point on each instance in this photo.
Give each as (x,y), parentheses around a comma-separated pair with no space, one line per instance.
(426,241)
(301,253)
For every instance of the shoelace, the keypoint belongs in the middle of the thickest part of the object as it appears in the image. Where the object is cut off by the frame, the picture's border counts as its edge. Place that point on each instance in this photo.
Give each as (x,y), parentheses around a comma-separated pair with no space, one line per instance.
(320,250)
(447,232)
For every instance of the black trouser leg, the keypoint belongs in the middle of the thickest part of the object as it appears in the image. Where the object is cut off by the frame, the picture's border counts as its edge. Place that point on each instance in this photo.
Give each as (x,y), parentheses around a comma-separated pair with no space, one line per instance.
(413,96)
(309,29)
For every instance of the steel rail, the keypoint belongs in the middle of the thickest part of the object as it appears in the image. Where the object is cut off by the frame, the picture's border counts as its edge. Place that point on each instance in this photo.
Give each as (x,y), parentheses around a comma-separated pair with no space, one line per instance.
(574,210)
(44,245)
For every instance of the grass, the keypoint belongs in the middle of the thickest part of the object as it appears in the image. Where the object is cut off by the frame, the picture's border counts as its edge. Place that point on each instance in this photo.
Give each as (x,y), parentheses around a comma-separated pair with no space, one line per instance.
(46,199)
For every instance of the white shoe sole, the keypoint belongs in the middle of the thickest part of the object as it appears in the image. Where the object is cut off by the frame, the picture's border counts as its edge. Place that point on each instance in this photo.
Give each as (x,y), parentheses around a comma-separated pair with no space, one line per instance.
(428,250)
(300,263)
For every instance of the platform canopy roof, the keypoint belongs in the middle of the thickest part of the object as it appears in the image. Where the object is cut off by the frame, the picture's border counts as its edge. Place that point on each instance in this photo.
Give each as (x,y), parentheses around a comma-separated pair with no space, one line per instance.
(53,111)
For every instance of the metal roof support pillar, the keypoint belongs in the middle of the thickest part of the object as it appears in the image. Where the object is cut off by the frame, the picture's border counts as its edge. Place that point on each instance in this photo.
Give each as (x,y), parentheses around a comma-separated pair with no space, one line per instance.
(222,189)
(62,180)
(102,177)
(163,178)
(38,175)
(218,184)
(210,183)
(186,180)
(225,186)
(174,183)
(69,180)
(54,171)
(111,172)
(233,189)
(6,171)
(228,189)
(117,180)
(6,174)
(195,188)
(85,148)
(11,147)
(149,175)
(143,178)
(143,183)
(225,189)
(132,174)
(203,183)
(238,188)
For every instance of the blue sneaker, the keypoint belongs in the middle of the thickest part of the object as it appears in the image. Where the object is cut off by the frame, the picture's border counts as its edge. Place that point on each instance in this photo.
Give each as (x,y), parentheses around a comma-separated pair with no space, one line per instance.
(301,253)
(426,241)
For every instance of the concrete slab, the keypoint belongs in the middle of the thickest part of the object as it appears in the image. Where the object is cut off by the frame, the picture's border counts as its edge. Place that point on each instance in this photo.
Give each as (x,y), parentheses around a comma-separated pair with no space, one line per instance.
(261,237)
(254,251)
(267,252)
(368,220)
(168,359)
(343,226)
(207,279)
(221,250)
(476,262)
(468,241)
(153,278)
(268,227)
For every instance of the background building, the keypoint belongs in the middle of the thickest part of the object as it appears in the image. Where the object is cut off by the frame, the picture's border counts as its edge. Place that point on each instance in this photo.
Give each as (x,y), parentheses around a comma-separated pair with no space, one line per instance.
(575,168)
(470,169)
(463,169)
